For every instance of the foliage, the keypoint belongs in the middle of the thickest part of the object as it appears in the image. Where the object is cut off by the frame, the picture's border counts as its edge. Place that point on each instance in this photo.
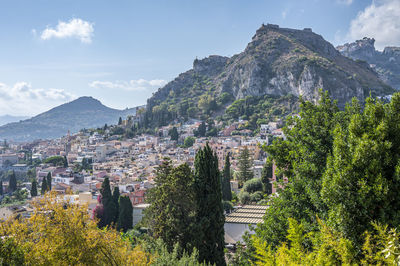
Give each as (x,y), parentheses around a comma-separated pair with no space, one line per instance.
(226,180)
(208,196)
(173,133)
(253,185)
(245,166)
(266,176)
(115,198)
(10,252)
(171,214)
(244,197)
(125,218)
(109,209)
(362,179)
(48,181)
(201,130)
(55,160)
(63,234)
(1,187)
(34,188)
(189,141)
(44,187)
(12,181)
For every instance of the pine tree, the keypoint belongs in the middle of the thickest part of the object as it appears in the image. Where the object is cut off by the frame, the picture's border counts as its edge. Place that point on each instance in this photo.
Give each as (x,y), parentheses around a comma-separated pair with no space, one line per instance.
(48,181)
(44,186)
(120,121)
(1,187)
(201,130)
(116,196)
(245,166)
(108,204)
(13,182)
(209,210)
(34,188)
(125,217)
(226,181)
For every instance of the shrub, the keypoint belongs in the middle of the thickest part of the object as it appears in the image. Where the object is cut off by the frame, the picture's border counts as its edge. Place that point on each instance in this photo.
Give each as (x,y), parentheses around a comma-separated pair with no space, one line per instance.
(253,185)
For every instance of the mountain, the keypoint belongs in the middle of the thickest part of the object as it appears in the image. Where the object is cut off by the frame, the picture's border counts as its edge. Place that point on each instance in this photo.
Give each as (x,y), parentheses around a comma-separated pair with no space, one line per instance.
(277,62)
(5,119)
(84,112)
(385,63)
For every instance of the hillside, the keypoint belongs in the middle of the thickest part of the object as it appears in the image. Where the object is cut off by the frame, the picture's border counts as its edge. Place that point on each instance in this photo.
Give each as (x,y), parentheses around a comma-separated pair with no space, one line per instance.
(277,62)
(84,112)
(385,63)
(5,119)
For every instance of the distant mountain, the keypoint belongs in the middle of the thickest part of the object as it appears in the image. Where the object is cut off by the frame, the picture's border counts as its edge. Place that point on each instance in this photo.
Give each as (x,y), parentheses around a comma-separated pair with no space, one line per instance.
(279,62)
(84,112)
(385,63)
(5,119)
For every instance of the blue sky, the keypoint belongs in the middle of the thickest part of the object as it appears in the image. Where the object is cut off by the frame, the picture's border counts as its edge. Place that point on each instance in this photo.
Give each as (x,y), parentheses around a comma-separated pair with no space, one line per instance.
(120,52)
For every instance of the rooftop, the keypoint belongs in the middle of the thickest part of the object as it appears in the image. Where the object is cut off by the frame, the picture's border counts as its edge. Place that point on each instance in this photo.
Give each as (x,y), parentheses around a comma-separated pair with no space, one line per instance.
(247,214)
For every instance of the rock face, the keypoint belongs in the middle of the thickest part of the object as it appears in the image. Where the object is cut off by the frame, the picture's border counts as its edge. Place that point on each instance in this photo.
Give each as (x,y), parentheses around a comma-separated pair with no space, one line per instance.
(277,61)
(84,112)
(385,63)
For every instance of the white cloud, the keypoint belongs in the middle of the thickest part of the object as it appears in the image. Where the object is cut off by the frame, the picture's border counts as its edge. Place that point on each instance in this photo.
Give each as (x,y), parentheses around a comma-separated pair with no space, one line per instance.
(344,2)
(132,85)
(22,99)
(380,20)
(74,28)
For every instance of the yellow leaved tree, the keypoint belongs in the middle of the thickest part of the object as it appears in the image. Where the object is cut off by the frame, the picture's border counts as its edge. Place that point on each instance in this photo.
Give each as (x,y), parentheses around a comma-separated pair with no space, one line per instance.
(60,233)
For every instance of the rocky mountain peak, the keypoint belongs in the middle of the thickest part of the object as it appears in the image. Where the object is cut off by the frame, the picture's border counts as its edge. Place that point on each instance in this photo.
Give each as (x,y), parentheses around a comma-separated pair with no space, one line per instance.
(361,48)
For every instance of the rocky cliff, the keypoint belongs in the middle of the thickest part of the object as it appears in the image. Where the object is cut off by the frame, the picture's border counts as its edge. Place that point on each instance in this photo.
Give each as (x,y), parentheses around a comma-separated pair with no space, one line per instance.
(385,63)
(277,61)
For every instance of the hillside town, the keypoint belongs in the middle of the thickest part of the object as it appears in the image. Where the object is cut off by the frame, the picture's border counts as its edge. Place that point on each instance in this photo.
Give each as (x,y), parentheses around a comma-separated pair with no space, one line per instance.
(79,163)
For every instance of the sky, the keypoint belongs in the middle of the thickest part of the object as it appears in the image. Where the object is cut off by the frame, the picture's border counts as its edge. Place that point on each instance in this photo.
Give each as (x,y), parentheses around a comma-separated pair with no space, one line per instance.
(120,52)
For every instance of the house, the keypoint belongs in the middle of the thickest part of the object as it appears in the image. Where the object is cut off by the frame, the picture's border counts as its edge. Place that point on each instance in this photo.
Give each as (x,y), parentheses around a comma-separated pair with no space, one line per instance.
(137,213)
(238,222)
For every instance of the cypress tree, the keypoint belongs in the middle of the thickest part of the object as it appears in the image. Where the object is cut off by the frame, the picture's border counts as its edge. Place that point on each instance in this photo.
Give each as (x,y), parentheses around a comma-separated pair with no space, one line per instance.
(125,217)
(209,210)
(266,176)
(34,188)
(226,180)
(65,162)
(116,196)
(108,204)
(13,182)
(44,186)
(48,181)
(1,187)
(120,121)
(245,166)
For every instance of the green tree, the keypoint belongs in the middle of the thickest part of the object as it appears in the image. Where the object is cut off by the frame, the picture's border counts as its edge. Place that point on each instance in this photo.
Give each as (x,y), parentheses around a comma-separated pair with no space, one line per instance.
(226,180)
(65,162)
(171,215)
(125,217)
(209,209)
(115,197)
(1,187)
(34,188)
(362,178)
(44,188)
(189,141)
(173,133)
(245,166)
(201,130)
(301,157)
(109,207)
(266,176)
(120,121)
(12,181)
(48,181)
